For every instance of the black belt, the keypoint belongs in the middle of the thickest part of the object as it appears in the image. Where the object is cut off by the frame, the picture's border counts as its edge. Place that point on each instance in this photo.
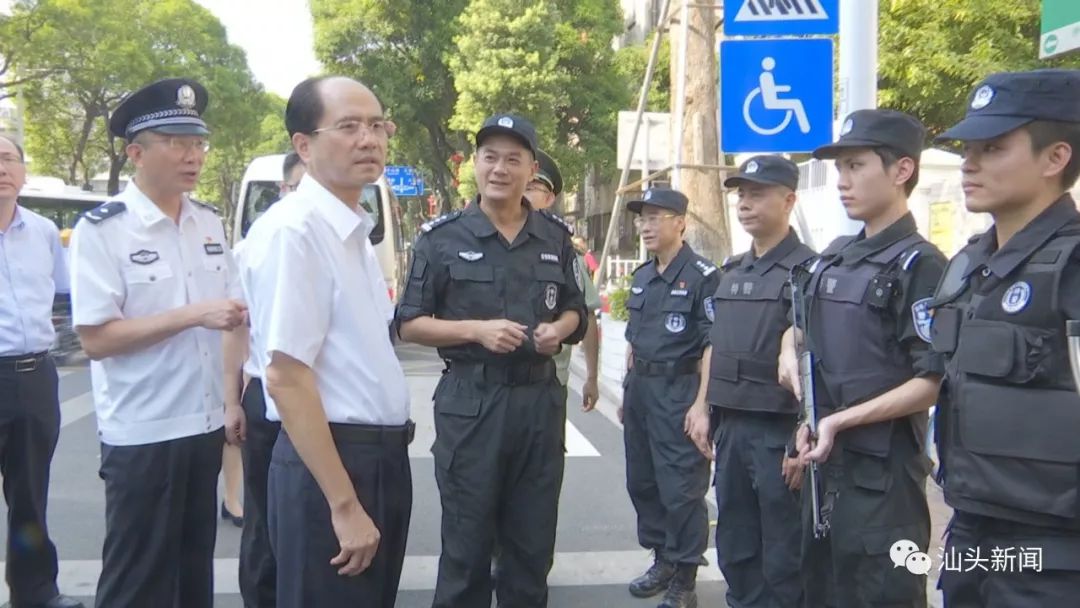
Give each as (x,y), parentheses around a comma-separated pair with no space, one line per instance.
(509,374)
(679,367)
(21,364)
(371,433)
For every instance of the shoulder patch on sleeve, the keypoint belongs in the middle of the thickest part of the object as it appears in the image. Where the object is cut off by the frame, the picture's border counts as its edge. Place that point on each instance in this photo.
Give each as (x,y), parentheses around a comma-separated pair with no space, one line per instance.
(921,318)
(704,267)
(103,212)
(562,223)
(430,225)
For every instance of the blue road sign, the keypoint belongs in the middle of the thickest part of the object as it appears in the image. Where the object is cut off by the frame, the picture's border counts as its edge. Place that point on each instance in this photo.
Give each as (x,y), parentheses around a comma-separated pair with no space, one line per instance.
(404,180)
(781,17)
(776,95)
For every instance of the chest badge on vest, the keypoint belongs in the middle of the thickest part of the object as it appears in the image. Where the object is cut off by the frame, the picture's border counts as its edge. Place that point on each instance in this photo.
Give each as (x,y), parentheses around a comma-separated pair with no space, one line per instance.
(551,296)
(920,315)
(710,309)
(675,323)
(144,257)
(470,256)
(636,290)
(830,285)
(1016,298)
(579,276)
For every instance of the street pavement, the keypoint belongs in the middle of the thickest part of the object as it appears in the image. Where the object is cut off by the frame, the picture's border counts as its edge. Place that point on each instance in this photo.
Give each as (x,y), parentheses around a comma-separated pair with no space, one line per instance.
(597,553)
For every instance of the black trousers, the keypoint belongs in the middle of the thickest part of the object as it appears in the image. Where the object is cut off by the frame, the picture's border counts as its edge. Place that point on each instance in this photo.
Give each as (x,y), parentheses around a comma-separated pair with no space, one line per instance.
(758,532)
(993,563)
(160,523)
(258,569)
(875,503)
(499,465)
(29,428)
(666,475)
(303,537)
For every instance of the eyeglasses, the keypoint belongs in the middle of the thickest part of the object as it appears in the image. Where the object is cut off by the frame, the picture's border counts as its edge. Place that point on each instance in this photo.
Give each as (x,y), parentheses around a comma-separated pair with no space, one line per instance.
(11,160)
(351,128)
(185,144)
(536,186)
(652,220)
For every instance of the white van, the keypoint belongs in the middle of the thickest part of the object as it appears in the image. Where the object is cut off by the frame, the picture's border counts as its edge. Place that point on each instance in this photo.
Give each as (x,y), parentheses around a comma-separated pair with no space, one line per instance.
(260,188)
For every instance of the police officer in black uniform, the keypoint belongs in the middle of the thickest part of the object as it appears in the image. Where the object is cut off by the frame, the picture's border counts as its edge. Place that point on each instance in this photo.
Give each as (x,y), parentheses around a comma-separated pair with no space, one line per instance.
(758,529)
(1009,417)
(868,328)
(666,475)
(494,289)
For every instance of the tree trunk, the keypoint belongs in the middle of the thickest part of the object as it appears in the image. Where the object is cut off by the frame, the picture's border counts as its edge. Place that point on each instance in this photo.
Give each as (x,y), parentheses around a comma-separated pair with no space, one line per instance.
(116,164)
(80,146)
(707,231)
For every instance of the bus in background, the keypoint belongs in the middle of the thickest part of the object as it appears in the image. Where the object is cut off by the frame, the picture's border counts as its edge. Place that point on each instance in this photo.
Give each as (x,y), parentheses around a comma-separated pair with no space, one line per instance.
(260,188)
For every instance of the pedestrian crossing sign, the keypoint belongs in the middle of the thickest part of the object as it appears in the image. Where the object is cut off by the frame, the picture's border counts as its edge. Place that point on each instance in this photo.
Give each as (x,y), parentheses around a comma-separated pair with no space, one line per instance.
(781,17)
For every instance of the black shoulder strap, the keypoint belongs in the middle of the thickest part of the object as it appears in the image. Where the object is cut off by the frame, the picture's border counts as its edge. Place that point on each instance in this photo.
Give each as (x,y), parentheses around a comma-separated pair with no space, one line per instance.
(103,212)
(430,225)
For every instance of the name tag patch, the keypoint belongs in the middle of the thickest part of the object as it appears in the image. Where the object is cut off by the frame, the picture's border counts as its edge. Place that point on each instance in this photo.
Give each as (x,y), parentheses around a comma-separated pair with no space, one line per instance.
(680,292)
(549,257)
(213,249)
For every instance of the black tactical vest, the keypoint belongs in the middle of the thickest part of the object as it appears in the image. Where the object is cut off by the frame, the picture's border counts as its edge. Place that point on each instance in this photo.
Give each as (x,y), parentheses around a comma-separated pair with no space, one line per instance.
(751,315)
(852,333)
(1010,437)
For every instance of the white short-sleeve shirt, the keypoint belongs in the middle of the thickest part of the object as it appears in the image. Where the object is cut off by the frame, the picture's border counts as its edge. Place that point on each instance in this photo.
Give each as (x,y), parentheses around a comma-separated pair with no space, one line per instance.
(315,293)
(254,366)
(137,262)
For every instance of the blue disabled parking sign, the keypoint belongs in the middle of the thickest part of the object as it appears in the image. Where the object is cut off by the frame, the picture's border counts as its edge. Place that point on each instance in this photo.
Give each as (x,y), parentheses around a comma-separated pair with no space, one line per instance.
(776,95)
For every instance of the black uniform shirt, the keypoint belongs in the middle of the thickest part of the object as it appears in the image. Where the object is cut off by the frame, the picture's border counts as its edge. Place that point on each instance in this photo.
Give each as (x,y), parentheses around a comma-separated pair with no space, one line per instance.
(463,269)
(671,312)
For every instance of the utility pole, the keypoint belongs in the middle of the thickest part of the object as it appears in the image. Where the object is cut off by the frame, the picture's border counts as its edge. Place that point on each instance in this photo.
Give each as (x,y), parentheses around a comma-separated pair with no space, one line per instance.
(695,99)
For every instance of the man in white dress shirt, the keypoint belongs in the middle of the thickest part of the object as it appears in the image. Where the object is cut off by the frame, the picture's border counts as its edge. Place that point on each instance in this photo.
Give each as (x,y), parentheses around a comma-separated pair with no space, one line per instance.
(153,284)
(340,488)
(32,272)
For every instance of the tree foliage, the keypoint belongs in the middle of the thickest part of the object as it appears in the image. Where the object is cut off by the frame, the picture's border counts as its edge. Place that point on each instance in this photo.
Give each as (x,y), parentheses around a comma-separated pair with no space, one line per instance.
(932,52)
(86,71)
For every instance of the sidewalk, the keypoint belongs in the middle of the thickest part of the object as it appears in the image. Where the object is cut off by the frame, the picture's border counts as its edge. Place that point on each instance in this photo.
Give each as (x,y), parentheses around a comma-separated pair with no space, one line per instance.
(611,394)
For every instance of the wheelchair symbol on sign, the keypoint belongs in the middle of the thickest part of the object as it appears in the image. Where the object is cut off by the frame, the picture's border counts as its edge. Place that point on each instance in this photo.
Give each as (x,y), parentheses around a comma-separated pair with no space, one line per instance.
(768,90)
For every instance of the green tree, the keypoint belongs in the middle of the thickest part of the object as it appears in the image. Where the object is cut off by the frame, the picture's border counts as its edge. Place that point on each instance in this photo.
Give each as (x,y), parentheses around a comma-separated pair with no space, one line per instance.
(535,57)
(399,49)
(932,52)
(88,70)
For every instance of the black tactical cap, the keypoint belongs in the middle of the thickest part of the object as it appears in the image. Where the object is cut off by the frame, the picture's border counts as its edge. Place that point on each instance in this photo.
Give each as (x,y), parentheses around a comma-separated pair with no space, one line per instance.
(1008,100)
(875,128)
(549,172)
(508,124)
(768,169)
(173,106)
(661,197)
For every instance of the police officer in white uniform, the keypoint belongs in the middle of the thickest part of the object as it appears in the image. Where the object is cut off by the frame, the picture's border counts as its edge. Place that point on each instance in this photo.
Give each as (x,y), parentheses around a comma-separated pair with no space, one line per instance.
(340,484)
(152,278)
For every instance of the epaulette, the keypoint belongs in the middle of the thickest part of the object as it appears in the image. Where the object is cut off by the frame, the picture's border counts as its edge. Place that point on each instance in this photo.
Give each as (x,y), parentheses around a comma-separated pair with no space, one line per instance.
(207,206)
(732,260)
(907,259)
(704,267)
(641,265)
(105,211)
(430,225)
(558,220)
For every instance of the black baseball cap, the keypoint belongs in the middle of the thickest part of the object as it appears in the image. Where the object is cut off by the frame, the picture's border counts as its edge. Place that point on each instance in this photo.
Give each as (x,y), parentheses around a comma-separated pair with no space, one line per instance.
(549,172)
(509,124)
(767,169)
(173,106)
(661,197)
(1008,100)
(875,128)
